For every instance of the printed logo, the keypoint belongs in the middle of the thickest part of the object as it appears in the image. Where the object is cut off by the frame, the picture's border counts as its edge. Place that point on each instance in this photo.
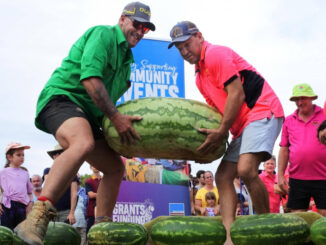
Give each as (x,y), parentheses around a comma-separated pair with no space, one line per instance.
(145,11)
(134,212)
(177,32)
(315,123)
(176,209)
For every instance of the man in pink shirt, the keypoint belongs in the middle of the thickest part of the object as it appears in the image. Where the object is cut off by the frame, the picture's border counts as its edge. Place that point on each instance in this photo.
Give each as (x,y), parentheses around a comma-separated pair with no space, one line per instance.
(269,178)
(306,155)
(251,112)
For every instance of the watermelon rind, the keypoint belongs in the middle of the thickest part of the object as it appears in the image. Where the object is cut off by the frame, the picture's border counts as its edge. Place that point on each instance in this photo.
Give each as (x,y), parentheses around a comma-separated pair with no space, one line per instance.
(168,129)
(188,230)
(61,233)
(117,233)
(269,229)
(6,236)
(318,232)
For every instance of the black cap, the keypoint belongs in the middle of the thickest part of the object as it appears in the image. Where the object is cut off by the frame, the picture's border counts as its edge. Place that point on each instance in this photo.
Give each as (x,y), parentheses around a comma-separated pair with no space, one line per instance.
(45,172)
(139,12)
(182,31)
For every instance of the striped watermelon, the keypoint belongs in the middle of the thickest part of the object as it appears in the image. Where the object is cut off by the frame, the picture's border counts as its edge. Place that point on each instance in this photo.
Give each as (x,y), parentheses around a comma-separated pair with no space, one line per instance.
(188,230)
(168,129)
(61,233)
(318,232)
(269,229)
(17,240)
(6,236)
(117,233)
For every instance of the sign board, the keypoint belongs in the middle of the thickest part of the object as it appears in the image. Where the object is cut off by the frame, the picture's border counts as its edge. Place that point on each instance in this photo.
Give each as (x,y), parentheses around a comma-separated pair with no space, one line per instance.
(157,71)
(142,202)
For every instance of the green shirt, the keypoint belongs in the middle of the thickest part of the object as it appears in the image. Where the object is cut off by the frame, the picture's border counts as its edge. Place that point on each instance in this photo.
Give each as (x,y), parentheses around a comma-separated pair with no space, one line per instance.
(101,52)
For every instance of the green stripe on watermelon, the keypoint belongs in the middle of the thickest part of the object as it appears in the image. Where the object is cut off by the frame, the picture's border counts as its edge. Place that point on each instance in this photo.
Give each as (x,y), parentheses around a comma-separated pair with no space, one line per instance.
(188,230)
(61,233)
(168,129)
(6,236)
(17,240)
(318,232)
(269,229)
(117,233)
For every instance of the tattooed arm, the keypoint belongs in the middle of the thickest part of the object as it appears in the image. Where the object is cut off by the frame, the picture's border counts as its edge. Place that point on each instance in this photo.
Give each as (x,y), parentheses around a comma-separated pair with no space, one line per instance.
(123,123)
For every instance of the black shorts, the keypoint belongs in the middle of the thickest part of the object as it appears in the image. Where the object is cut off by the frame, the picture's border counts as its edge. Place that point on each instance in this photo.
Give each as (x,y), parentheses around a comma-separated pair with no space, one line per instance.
(59,109)
(302,190)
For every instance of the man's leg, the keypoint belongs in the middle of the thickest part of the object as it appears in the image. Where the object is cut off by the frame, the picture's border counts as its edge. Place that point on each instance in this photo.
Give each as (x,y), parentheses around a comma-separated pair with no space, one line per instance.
(110,164)
(76,137)
(224,177)
(248,171)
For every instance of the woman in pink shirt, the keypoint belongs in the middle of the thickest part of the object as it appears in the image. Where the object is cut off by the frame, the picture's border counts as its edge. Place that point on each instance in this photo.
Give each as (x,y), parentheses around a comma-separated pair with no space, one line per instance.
(269,178)
(16,187)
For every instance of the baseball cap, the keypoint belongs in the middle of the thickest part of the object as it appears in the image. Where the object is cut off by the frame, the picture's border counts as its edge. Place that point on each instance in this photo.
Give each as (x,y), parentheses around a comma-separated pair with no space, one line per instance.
(302,90)
(15,145)
(57,149)
(45,172)
(139,12)
(182,31)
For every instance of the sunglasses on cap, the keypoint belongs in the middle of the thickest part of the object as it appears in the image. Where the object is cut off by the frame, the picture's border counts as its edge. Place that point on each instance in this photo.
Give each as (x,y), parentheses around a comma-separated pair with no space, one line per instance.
(139,26)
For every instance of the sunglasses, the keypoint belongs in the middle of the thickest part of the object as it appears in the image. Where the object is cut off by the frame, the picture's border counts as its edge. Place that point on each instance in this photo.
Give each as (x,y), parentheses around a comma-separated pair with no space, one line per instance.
(140,26)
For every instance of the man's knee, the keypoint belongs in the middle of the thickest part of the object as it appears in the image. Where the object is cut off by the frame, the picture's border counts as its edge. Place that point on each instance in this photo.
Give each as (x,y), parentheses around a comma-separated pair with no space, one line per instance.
(247,174)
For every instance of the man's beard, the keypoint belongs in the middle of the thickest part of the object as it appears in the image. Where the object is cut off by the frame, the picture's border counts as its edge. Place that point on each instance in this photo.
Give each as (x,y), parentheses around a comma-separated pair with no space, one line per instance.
(39,188)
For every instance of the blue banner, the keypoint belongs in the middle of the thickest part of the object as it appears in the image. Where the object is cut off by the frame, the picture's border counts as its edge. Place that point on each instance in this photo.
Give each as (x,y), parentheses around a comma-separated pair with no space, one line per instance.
(157,71)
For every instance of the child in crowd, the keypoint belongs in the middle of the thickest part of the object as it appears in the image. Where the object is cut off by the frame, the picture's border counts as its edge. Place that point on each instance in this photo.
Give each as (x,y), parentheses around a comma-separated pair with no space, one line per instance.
(16,187)
(211,203)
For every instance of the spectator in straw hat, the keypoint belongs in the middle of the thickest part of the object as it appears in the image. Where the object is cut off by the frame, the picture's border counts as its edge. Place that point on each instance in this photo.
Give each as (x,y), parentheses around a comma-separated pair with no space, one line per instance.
(66,205)
(84,89)
(306,155)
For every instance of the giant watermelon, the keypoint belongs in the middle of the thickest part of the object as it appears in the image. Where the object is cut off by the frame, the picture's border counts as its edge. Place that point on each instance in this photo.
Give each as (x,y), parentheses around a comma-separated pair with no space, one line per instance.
(117,233)
(269,229)
(318,232)
(187,230)
(168,129)
(6,236)
(61,233)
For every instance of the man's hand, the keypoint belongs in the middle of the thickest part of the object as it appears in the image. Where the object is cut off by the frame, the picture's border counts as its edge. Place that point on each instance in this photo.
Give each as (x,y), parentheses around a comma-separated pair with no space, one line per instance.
(213,140)
(123,125)
(71,218)
(283,184)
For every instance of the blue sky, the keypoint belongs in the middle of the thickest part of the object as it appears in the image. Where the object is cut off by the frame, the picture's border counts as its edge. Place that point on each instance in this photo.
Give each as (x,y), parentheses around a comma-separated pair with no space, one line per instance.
(284,40)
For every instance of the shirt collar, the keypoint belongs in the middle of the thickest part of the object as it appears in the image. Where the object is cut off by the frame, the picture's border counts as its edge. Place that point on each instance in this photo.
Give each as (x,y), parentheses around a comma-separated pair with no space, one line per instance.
(121,40)
(317,110)
(202,55)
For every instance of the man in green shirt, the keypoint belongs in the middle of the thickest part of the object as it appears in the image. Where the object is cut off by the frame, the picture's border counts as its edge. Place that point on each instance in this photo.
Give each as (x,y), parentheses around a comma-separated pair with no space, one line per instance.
(86,86)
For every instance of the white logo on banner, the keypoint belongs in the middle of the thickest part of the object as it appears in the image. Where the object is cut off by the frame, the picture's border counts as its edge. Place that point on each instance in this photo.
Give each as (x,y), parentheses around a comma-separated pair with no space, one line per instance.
(152,80)
(134,212)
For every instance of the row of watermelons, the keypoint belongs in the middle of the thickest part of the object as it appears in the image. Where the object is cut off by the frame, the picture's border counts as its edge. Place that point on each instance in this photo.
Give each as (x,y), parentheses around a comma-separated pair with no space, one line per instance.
(267,229)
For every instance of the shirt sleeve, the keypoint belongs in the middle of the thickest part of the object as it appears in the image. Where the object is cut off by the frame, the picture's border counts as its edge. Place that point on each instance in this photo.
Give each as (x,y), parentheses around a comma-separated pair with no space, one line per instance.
(199,195)
(88,188)
(221,66)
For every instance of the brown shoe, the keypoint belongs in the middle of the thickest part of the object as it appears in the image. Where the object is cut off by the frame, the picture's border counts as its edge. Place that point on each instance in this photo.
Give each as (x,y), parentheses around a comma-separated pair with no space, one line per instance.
(32,230)
(101,219)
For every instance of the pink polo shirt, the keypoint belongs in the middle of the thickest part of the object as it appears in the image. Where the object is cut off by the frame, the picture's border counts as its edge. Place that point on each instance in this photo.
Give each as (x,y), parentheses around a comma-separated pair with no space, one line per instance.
(218,67)
(307,156)
(16,186)
(274,199)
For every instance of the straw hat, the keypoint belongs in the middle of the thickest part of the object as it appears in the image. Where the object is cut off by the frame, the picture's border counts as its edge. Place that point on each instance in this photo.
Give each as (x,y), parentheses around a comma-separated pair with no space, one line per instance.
(57,149)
